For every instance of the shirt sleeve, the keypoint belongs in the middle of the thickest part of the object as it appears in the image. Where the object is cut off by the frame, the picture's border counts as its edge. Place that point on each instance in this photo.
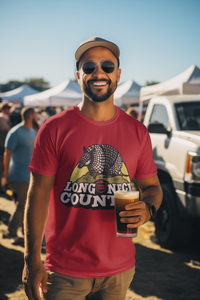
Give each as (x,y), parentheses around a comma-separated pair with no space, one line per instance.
(11,140)
(146,166)
(45,157)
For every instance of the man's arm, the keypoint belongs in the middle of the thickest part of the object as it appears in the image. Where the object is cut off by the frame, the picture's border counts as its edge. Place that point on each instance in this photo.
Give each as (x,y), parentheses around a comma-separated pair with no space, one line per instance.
(6,162)
(36,213)
(151,192)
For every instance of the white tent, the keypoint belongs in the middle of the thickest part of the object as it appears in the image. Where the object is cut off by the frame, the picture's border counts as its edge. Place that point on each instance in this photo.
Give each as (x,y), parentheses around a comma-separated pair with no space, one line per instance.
(127,93)
(187,82)
(67,93)
(18,94)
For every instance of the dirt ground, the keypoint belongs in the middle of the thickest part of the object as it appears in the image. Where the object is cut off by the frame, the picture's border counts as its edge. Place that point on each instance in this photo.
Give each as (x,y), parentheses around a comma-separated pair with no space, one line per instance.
(160,274)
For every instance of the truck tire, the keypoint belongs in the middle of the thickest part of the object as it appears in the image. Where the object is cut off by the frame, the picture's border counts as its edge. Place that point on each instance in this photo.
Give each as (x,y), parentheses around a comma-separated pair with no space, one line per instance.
(172,231)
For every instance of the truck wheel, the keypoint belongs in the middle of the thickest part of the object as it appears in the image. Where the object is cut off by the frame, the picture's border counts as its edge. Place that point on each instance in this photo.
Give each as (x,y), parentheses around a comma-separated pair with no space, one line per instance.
(172,231)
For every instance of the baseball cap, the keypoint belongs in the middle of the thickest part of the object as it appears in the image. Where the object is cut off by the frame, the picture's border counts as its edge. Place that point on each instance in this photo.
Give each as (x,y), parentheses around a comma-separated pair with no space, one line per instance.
(96,42)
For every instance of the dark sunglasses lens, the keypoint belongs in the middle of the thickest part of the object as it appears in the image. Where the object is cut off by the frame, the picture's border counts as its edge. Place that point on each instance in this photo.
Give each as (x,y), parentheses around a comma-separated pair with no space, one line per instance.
(89,67)
(108,66)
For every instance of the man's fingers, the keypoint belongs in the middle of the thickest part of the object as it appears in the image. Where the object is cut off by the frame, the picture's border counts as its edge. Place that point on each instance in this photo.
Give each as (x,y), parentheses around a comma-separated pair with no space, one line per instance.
(135,205)
(130,213)
(132,220)
(134,215)
(32,291)
(44,285)
(134,210)
(139,221)
(33,277)
(28,291)
(36,293)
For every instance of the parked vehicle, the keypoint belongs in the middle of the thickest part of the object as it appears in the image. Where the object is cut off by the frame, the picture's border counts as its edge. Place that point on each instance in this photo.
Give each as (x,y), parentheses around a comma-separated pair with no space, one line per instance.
(174,126)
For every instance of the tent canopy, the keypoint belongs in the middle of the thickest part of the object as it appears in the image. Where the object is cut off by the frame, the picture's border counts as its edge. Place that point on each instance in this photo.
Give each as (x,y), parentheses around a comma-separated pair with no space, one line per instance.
(18,94)
(67,93)
(127,93)
(187,82)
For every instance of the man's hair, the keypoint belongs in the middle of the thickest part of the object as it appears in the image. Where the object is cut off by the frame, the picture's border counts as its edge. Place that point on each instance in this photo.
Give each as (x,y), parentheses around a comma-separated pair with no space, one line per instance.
(77,63)
(26,112)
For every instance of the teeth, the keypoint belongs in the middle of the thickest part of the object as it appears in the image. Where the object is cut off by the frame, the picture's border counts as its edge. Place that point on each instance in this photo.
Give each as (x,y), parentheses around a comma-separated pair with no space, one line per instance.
(99,83)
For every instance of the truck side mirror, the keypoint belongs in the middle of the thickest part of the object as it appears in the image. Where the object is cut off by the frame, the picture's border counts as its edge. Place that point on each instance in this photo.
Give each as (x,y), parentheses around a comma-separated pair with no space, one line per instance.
(157,128)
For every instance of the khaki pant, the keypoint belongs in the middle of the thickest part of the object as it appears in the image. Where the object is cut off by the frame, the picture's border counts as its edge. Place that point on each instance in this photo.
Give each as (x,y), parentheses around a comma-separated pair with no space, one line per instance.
(20,193)
(63,287)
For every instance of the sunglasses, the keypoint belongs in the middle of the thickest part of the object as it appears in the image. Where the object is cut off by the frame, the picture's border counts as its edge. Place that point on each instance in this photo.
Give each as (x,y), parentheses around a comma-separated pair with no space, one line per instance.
(107,66)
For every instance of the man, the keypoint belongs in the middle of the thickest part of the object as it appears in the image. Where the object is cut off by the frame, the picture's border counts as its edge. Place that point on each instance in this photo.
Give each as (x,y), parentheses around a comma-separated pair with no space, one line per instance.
(5,125)
(19,145)
(82,155)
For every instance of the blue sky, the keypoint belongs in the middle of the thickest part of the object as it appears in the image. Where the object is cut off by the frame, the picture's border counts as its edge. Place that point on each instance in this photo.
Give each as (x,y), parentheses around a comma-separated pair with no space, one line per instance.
(157,39)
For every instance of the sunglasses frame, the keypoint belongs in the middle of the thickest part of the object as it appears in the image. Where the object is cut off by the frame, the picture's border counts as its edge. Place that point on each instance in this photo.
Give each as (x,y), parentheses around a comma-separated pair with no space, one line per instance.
(102,61)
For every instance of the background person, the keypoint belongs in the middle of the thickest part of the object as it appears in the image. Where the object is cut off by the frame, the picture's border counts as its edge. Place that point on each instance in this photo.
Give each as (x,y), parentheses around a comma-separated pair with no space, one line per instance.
(5,125)
(19,145)
(80,157)
(132,112)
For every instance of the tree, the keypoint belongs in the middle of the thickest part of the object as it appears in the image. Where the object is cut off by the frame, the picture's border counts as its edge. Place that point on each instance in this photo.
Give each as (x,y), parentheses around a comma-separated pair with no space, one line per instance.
(38,84)
(151,82)
(10,85)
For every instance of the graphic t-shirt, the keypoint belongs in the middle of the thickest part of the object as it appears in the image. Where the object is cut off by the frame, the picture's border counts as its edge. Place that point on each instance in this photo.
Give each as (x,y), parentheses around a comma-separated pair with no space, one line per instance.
(90,160)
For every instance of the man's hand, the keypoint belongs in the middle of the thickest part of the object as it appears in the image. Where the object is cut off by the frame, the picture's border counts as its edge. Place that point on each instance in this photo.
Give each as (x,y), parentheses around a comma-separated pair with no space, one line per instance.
(36,212)
(34,276)
(135,215)
(138,213)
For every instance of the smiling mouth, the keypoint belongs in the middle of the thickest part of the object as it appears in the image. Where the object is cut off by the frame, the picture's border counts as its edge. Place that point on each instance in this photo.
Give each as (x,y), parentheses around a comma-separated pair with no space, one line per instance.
(99,83)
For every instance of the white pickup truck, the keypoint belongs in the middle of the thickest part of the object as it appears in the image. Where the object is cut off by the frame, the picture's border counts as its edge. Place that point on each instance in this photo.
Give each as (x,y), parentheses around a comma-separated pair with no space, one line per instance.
(174,126)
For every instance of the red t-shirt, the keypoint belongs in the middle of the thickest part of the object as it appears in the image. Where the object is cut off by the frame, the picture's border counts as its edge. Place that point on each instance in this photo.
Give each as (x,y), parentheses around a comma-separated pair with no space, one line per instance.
(90,161)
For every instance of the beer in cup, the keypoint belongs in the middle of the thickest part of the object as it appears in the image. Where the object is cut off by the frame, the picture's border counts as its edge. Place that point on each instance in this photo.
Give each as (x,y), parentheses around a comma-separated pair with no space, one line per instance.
(122,198)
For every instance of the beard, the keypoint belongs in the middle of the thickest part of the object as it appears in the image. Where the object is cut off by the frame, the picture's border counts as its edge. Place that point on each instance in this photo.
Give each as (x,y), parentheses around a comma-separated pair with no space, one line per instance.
(98,97)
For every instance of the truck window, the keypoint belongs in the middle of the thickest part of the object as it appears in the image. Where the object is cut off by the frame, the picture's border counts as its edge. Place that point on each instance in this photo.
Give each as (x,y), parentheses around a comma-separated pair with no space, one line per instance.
(188,114)
(159,115)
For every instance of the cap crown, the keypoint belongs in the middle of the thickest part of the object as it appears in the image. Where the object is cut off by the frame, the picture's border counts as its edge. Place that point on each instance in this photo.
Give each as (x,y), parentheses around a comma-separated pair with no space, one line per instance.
(96,42)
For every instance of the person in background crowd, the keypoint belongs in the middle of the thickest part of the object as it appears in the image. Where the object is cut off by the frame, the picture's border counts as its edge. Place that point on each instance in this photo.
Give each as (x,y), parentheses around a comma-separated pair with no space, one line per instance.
(132,112)
(19,145)
(81,156)
(51,110)
(5,125)
(15,115)
(37,123)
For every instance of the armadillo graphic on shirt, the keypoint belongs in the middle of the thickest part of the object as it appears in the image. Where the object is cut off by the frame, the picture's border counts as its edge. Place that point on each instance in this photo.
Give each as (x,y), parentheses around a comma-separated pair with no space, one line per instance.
(99,173)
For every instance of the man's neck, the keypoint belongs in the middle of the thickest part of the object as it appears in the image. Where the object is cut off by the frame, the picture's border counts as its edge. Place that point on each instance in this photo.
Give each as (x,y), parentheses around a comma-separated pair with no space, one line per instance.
(98,111)
(27,124)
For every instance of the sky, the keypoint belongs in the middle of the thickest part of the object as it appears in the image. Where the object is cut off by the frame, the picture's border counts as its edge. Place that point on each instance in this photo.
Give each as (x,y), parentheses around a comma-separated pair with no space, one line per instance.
(157,39)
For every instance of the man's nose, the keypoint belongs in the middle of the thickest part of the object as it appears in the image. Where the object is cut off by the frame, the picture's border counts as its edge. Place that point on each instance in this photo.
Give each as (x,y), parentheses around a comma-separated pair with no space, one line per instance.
(98,70)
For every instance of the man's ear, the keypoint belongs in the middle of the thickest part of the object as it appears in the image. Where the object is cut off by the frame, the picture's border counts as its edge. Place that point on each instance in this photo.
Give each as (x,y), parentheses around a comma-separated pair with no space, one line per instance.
(118,74)
(78,76)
